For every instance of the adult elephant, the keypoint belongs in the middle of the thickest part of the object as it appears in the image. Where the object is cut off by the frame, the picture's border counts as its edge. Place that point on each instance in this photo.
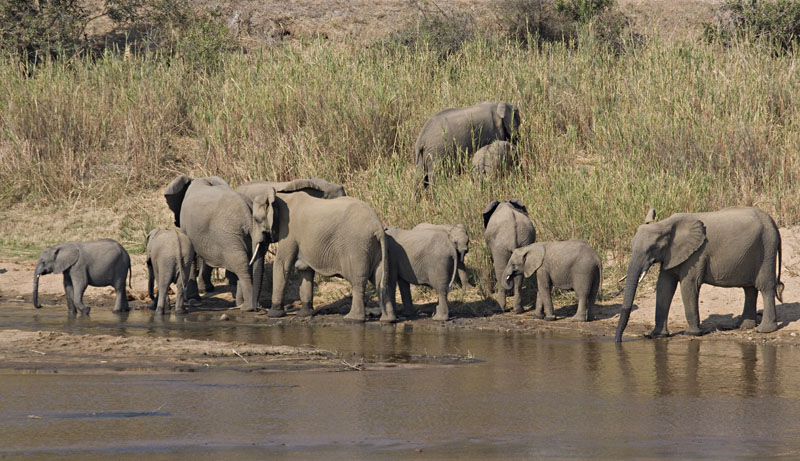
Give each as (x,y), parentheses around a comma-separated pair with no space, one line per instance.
(734,247)
(465,129)
(219,223)
(341,236)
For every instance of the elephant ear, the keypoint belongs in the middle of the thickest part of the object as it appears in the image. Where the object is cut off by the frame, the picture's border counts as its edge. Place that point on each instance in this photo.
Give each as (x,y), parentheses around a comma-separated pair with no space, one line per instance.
(517,203)
(688,235)
(533,257)
(309,186)
(330,189)
(487,212)
(651,216)
(65,256)
(509,114)
(174,194)
(266,202)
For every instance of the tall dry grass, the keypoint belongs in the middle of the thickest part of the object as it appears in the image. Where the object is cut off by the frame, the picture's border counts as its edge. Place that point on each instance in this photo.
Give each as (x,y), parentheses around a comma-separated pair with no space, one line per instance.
(682,127)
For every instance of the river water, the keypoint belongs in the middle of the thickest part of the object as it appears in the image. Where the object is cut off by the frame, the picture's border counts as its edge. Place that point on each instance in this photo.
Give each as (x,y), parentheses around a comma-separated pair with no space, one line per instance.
(525,395)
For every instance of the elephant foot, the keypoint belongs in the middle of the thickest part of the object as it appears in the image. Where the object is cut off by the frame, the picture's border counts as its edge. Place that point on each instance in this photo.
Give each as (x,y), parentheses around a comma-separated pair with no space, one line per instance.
(518,310)
(538,315)
(180,311)
(386,318)
(206,288)
(767,327)
(580,317)
(747,324)
(549,318)
(351,318)
(694,331)
(160,312)
(305,311)
(658,333)
(153,306)
(276,312)
(441,317)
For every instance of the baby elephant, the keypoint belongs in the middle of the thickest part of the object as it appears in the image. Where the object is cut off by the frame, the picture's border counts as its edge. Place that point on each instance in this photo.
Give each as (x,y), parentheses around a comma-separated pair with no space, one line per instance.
(97,263)
(460,238)
(169,259)
(567,265)
(421,257)
(494,158)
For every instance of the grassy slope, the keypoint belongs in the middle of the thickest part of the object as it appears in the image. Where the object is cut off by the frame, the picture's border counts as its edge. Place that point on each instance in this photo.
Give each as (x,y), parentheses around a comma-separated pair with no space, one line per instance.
(86,148)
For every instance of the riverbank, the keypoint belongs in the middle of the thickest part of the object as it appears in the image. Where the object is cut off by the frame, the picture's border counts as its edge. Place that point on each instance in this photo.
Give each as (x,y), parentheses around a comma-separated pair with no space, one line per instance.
(719,307)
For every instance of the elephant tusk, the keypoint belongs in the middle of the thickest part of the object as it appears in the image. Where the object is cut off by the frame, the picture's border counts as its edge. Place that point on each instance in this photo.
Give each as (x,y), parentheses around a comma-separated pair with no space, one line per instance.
(641,277)
(255,252)
(623,278)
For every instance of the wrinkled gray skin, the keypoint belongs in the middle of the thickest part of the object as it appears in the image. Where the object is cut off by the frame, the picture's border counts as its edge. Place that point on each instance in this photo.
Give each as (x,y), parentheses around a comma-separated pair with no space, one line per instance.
(170,255)
(97,263)
(494,158)
(460,238)
(219,223)
(421,257)
(465,129)
(506,228)
(734,247)
(569,265)
(341,236)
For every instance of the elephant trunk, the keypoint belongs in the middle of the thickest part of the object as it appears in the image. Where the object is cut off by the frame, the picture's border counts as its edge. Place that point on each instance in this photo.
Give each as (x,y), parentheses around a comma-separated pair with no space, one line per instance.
(36,275)
(636,267)
(507,279)
(258,271)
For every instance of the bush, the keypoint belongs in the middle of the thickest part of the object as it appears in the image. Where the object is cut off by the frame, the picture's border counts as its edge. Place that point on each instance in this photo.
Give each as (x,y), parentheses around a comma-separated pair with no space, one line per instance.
(776,22)
(39,29)
(583,10)
(442,32)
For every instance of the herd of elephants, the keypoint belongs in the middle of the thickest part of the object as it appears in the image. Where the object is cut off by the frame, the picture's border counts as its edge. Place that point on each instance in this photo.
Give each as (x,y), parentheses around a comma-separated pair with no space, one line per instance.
(318,229)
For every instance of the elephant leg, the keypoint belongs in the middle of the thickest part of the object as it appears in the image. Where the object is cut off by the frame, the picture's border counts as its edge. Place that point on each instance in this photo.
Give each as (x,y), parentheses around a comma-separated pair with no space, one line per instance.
(79,285)
(665,290)
(280,271)
(748,319)
(442,309)
(405,296)
(462,276)
(306,293)
(121,303)
(163,293)
(582,315)
(69,292)
(179,289)
(192,291)
(544,294)
(769,318)
(690,292)
(239,294)
(357,312)
(204,279)
(499,267)
(538,313)
(518,295)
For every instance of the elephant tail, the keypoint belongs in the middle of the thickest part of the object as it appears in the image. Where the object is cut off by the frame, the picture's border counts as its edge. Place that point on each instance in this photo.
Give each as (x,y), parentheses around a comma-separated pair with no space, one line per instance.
(130,274)
(455,271)
(384,267)
(778,283)
(600,283)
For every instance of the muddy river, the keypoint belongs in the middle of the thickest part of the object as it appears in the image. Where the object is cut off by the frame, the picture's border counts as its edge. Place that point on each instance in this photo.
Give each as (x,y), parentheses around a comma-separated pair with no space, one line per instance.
(509,394)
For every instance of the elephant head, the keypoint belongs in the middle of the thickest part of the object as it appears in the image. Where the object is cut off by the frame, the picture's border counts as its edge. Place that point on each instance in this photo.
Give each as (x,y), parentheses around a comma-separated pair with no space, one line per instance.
(510,119)
(264,223)
(53,260)
(669,242)
(525,260)
(459,236)
(492,206)
(176,191)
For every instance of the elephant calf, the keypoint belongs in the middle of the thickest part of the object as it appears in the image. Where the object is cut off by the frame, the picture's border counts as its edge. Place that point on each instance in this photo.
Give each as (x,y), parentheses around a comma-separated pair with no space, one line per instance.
(507,227)
(169,260)
(570,265)
(460,238)
(494,158)
(421,257)
(97,263)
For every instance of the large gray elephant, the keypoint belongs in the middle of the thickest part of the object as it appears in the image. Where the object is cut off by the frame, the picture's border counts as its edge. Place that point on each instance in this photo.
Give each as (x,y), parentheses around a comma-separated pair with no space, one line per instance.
(170,255)
(219,223)
(341,236)
(507,227)
(734,247)
(465,129)
(569,265)
(97,263)
(460,238)
(421,257)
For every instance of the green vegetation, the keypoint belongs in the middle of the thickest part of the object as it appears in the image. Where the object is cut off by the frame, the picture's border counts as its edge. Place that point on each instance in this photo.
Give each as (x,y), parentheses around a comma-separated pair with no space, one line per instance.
(605,134)
(776,22)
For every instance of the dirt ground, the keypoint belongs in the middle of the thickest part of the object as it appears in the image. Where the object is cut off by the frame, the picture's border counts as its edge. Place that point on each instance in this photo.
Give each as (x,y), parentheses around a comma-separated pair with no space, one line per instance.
(719,307)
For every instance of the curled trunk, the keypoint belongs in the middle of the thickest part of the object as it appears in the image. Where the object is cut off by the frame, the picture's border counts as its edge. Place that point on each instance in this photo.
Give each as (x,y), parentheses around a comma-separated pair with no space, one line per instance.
(507,282)
(635,268)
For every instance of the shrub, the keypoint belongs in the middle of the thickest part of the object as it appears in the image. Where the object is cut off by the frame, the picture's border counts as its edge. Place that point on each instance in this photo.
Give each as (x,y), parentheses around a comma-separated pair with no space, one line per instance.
(442,32)
(776,22)
(39,29)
